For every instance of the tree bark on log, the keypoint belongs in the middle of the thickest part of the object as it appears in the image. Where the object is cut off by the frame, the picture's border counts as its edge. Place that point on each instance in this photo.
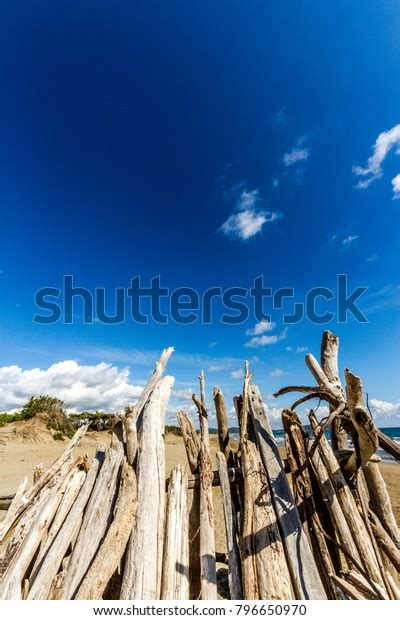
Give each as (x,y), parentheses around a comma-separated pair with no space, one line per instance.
(231,528)
(175,574)
(113,546)
(143,565)
(300,560)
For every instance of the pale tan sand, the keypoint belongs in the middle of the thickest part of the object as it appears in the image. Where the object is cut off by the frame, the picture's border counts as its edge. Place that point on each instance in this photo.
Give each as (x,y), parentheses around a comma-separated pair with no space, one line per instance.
(23,445)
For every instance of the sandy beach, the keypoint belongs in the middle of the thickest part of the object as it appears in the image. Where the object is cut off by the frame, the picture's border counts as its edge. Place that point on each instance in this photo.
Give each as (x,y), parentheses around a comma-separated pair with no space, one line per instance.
(24,445)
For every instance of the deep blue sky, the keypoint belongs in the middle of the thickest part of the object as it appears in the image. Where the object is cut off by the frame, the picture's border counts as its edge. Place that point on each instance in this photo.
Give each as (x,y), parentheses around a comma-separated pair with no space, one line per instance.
(126,126)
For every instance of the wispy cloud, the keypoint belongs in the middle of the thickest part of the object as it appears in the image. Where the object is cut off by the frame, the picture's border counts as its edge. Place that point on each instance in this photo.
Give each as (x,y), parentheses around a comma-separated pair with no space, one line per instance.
(299,153)
(373,258)
(237,374)
(343,241)
(261,328)
(387,296)
(396,187)
(216,367)
(349,241)
(380,150)
(264,340)
(385,411)
(249,217)
(278,372)
(281,118)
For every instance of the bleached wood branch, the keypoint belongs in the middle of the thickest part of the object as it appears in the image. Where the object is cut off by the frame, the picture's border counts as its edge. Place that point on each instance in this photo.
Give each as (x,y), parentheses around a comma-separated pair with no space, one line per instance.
(175,574)
(113,546)
(142,573)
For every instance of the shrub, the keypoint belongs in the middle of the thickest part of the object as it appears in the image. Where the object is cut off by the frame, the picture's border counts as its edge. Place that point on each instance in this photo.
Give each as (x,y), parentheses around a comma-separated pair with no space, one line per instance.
(58,436)
(174,430)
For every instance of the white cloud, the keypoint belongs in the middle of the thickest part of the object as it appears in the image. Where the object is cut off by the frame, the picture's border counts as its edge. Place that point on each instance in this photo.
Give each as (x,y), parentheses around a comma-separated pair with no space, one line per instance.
(343,241)
(385,407)
(289,348)
(260,328)
(372,258)
(396,187)
(260,341)
(281,118)
(212,345)
(348,241)
(244,225)
(296,155)
(373,170)
(301,349)
(237,374)
(100,386)
(249,218)
(278,372)
(183,395)
(385,413)
(248,199)
(216,367)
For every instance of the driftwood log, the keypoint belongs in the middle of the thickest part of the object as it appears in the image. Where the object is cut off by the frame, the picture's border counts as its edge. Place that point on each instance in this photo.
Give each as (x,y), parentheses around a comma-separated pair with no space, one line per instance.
(175,573)
(142,574)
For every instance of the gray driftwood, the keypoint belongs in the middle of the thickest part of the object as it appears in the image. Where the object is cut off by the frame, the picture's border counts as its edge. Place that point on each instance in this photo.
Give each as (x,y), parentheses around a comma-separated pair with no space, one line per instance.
(175,574)
(143,566)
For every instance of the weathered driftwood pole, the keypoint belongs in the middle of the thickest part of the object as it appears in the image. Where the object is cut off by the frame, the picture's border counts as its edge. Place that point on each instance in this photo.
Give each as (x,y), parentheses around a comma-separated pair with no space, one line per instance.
(114,544)
(380,500)
(261,543)
(131,415)
(190,439)
(192,446)
(330,366)
(98,511)
(335,510)
(142,574)
(29,517)
(366,441)
(46,573)
(175,573)
(296,449)
(222,421)
(11,584)
(234,572)
(347,502)
(304,573)
(72,487)
(207,539)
